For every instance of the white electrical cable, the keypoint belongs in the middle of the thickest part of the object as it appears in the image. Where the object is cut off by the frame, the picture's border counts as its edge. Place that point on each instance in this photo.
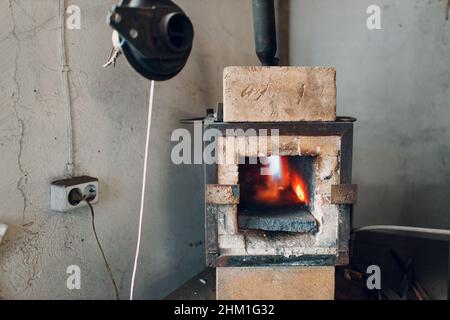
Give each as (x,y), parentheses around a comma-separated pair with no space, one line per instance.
(144,180)
(438,232)
(66,88)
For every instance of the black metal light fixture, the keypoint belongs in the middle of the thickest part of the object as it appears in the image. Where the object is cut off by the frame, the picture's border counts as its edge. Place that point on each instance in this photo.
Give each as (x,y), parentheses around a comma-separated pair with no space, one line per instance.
(156,36)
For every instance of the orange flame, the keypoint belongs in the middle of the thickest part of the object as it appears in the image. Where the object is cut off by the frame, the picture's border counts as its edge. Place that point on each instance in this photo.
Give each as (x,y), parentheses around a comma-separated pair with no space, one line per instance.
(299,187)
(286,187)
(300,193)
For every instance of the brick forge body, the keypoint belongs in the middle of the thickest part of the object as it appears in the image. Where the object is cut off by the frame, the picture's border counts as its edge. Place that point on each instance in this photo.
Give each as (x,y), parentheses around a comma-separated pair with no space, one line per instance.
(256,251)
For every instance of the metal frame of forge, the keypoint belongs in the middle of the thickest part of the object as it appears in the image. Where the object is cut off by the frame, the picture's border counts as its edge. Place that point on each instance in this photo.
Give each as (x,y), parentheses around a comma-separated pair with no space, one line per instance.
(343,127)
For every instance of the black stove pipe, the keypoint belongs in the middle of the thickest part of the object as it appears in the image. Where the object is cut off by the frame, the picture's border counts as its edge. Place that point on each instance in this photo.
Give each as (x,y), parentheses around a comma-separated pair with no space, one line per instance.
(265,31)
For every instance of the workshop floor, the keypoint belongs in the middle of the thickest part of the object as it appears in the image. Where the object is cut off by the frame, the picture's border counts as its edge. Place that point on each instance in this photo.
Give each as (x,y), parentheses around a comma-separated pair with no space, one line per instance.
(203,287)
(368,249)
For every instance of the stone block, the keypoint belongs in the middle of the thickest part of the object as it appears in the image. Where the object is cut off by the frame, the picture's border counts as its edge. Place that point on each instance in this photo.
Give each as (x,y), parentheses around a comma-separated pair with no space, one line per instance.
(222,194)
(268,94)
(227,219)
(275,283)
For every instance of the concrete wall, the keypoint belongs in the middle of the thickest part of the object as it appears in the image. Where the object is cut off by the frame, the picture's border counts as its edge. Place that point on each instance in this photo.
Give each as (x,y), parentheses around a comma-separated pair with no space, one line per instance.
(396,82)
(110,110)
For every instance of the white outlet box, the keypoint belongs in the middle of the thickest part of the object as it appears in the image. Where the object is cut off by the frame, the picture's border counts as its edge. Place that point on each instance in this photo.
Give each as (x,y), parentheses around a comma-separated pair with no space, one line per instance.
(68,194)
(3,228)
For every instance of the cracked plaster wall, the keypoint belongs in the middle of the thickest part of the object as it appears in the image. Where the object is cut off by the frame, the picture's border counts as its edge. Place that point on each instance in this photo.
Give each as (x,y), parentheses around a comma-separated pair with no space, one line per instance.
(109,114)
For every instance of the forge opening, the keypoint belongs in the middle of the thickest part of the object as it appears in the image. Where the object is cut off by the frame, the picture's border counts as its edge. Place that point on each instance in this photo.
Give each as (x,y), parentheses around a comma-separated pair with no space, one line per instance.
(277,193)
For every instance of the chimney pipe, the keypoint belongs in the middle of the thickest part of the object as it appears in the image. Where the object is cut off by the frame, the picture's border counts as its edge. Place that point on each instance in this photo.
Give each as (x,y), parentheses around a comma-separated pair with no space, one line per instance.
(265,31)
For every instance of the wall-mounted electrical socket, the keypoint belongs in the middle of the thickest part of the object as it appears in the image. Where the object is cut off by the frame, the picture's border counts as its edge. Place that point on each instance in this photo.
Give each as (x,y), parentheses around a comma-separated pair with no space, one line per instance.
(3,228)
(69,194)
